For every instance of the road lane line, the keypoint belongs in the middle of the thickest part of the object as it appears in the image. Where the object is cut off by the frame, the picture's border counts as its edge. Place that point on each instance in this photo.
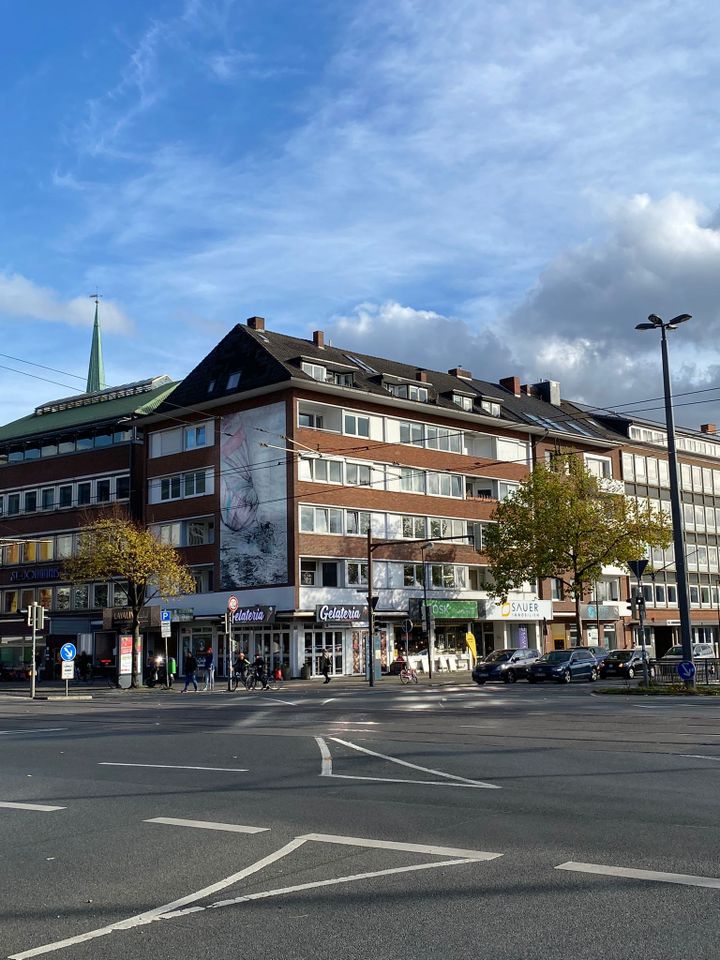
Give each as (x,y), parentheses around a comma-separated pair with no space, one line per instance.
(632,874)
(327,883)
(7,733)
(39,807)
(172,766)
(149,915)
(697,756)
(371,844)
(207,825)
(326,758)
(427,783)
(329,700)
(415,766)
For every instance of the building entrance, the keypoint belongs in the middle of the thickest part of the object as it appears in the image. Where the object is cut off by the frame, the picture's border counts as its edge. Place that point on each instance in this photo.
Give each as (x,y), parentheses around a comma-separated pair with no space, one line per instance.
(318,640)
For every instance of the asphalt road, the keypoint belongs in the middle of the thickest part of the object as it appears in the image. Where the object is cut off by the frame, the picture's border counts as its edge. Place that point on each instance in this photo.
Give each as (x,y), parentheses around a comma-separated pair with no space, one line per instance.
(342,822)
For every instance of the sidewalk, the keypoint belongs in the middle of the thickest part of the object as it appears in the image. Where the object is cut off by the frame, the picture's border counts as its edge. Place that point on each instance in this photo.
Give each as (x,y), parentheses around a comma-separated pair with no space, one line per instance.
(100,690)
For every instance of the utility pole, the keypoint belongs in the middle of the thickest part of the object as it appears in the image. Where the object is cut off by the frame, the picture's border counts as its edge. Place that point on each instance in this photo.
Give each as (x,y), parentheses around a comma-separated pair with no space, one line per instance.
(370,646)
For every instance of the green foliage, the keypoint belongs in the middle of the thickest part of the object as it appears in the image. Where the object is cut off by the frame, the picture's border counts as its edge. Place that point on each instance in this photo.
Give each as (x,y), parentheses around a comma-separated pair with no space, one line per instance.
(560,524)
(115,548)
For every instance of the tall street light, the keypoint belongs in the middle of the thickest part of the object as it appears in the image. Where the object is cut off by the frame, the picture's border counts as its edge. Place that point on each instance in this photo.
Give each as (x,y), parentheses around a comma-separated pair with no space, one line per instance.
(428,631)
(655,323)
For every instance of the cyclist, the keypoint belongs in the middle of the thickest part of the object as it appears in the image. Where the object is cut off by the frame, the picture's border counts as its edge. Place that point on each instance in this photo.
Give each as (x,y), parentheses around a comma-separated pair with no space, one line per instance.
(259,668)
(240,666)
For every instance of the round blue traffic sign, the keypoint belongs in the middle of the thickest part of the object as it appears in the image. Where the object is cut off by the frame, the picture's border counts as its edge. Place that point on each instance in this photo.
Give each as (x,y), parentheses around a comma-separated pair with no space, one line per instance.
(686,670)
(68,651)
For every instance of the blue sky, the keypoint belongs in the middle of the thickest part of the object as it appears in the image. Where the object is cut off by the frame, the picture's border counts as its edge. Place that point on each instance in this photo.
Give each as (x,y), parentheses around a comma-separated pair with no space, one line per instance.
(510,187)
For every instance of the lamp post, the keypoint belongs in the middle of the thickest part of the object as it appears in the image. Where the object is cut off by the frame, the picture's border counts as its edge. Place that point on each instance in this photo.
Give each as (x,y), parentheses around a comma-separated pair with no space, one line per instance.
(428,631)
(655,323)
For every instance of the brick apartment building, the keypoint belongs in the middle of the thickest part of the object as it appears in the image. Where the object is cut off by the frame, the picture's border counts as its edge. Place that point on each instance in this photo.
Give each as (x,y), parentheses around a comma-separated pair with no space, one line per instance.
(268,465)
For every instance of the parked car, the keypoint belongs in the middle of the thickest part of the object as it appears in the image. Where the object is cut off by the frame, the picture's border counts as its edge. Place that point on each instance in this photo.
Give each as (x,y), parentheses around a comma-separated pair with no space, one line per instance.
(564,666)
(505,665)
(701,651)
(624,663)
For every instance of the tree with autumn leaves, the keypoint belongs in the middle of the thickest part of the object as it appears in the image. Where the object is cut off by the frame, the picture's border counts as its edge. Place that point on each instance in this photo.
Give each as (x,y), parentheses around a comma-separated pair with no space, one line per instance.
(114,548)
(561,524)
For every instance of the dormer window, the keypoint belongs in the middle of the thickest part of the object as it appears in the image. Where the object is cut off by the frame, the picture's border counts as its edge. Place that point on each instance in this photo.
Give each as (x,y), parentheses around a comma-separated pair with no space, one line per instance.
(489,406)
(315,370)
(408,391)
(463,401)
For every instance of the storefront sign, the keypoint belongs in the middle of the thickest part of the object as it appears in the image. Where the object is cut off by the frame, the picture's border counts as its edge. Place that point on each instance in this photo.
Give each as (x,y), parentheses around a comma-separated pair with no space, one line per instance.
(180,614)
(516,610)
(33,574)
(254,615)
(341,613)
(601,611)
(453,609)
(126,650)
(117,618)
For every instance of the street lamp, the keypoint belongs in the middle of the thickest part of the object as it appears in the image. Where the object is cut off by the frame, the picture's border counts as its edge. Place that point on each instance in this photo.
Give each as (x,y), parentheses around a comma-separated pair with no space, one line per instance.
(655,323)
(428,631)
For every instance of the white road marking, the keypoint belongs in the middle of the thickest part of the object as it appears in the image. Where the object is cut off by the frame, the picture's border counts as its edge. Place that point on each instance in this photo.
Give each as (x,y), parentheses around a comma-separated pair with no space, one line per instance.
(40,807)
(697,756)
(632,874)
(180,907)
(149,915)
(172,766)
(329,700)
(325,758)
(290,703)
(207,825)
(399,845)
(415,766)
(5,733)
(326,883)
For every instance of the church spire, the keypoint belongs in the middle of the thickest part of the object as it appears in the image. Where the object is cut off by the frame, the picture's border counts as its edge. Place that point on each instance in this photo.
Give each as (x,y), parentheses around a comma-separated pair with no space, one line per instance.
(96,369)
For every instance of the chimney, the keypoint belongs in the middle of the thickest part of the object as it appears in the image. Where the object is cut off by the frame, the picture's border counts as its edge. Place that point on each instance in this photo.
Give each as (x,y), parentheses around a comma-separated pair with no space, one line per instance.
(421,375)
(708,428)
(549,391)
(256,323)
(459,372)
(512,384)
(319,339)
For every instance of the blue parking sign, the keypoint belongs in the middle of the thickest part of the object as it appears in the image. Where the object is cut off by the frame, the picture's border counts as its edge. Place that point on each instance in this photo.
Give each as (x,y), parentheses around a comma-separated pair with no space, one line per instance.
(165,616)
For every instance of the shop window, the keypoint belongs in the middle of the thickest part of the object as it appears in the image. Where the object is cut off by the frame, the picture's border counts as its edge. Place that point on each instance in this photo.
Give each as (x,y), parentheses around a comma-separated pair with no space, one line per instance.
(356,426)
(62,598)
(100,595)
(102,491)
(356,574)
(413,574)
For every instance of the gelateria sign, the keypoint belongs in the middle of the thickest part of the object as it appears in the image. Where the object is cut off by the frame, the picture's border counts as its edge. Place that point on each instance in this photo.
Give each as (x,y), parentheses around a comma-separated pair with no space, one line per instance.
(516,610)
(341,613)
(244,615)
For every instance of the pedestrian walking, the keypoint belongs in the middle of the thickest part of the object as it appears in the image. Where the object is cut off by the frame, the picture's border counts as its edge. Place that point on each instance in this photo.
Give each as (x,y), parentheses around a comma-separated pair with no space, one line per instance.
(190,670)
(209,670)
(325,664)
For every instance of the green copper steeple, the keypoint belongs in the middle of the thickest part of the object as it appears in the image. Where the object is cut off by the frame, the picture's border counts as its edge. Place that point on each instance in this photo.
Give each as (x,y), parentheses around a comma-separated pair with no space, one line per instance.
(96,369)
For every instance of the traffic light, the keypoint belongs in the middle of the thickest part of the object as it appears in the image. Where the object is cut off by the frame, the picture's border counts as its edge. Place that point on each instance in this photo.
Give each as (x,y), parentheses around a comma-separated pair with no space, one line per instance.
(631,607)
(39,616)
(30,614)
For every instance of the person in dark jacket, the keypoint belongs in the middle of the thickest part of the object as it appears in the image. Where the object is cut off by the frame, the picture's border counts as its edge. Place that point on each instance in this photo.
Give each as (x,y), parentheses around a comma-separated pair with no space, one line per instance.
(190,670)
(325,664)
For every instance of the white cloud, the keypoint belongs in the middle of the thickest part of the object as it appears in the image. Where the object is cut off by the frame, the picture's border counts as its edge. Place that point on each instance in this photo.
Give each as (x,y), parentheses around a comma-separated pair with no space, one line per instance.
(22,299)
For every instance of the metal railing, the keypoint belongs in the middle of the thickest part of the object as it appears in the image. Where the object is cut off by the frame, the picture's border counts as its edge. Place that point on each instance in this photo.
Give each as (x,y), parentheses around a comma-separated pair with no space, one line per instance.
(706,672)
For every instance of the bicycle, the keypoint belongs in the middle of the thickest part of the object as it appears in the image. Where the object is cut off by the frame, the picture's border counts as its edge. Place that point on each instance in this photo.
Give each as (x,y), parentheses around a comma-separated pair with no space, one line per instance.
(408,675)
(238,680)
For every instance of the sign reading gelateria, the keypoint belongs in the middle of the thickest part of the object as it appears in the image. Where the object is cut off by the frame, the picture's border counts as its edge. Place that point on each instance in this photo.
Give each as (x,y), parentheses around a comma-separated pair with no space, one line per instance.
(253,615)
(516,610)
(341,613)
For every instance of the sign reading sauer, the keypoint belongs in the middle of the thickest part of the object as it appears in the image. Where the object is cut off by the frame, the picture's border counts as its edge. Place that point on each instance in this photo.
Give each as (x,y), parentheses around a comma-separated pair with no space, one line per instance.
(341,613)
(516,610)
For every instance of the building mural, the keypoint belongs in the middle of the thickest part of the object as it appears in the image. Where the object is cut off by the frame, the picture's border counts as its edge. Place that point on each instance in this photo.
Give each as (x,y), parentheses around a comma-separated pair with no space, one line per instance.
(253,494)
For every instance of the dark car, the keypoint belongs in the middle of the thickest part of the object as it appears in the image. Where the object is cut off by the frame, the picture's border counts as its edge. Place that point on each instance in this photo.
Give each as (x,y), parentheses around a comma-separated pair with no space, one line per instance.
(505,665)
(624,663)
(564,666)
